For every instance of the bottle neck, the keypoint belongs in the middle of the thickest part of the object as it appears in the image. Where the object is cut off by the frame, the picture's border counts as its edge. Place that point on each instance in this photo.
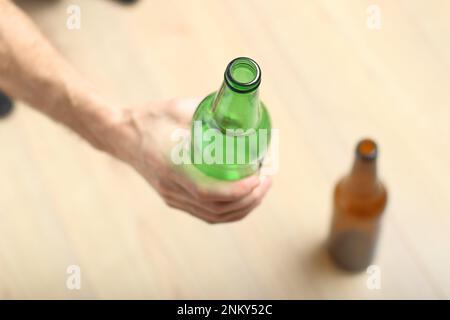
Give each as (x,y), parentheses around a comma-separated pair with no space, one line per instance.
(363,177)
(236,105)
(235,110)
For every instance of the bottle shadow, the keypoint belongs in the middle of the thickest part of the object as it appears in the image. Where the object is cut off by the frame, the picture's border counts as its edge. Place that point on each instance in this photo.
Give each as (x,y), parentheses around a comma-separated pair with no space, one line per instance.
(327,279)
(320,267)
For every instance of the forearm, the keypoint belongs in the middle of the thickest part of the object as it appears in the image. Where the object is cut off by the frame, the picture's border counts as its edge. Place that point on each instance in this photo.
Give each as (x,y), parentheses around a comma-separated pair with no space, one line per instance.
(33,71)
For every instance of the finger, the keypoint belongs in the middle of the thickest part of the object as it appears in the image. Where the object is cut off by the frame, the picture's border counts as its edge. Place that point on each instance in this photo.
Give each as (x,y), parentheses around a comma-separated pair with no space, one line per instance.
(224,207)
(241,214)
(226,191)
(237,215)
(203,187)
(212,218)
(176,194)
(194,210)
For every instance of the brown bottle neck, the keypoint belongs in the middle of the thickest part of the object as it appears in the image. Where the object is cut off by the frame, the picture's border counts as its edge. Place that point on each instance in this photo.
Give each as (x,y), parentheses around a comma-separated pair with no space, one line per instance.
(363,174)
(363,178)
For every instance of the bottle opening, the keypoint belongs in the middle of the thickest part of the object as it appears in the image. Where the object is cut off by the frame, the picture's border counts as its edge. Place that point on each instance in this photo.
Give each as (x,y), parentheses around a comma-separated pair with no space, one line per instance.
(243,75)
(243,72)
(367,149)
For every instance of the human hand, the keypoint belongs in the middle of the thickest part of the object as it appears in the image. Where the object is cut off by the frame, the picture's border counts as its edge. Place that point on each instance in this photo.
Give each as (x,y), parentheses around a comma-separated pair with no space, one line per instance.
(147,148)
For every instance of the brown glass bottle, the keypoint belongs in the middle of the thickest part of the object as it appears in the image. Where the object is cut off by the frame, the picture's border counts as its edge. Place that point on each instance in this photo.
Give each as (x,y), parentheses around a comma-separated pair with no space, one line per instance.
(359,201)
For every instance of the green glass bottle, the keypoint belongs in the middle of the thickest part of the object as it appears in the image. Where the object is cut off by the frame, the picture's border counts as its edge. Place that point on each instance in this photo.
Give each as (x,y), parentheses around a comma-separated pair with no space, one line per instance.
(231,127)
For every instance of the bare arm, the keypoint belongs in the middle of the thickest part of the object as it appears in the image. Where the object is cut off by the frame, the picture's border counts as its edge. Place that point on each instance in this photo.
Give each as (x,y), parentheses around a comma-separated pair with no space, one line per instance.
(33,71)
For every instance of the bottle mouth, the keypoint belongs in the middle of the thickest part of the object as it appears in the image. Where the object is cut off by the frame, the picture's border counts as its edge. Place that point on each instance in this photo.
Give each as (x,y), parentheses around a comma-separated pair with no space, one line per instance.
(367,149)
(243,75)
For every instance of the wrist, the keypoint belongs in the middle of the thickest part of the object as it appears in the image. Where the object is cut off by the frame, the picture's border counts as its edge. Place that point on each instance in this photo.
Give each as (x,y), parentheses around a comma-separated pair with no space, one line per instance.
(115,133)
(106,126)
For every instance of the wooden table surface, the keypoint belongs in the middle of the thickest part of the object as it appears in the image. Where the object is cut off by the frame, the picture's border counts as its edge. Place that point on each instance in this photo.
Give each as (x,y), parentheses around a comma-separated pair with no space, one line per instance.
(328,80)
